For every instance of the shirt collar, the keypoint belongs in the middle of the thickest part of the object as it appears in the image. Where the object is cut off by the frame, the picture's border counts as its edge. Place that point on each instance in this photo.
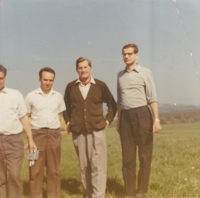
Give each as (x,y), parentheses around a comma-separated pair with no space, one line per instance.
(4,90)
(92,81)
(136,69)
(39,91)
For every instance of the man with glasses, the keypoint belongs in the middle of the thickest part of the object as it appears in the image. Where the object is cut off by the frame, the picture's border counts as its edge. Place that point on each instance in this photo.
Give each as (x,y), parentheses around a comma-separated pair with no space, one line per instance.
(136,100)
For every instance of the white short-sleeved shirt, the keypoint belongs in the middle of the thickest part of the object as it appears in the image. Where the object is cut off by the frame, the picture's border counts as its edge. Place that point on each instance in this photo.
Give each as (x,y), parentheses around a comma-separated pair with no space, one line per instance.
(44,109)
(12,108)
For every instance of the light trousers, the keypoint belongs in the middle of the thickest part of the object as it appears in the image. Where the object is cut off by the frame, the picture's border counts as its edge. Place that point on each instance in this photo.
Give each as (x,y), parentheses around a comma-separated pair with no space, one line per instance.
(92,154)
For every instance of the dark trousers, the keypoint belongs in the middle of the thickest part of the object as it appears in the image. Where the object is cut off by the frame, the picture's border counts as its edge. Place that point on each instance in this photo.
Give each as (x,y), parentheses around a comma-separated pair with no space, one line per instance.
(11,158)
(48,144)
(136,133)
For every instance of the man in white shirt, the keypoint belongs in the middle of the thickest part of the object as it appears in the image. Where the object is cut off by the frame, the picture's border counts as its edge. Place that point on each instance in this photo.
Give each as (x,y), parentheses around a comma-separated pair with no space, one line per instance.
(45,107)
(13,118)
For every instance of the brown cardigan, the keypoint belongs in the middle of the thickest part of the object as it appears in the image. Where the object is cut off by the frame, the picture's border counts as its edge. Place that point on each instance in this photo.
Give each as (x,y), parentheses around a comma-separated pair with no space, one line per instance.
(88,114)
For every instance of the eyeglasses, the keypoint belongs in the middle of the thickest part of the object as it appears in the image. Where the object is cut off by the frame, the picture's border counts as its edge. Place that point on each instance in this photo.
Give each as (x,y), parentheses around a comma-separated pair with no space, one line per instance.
(129,54)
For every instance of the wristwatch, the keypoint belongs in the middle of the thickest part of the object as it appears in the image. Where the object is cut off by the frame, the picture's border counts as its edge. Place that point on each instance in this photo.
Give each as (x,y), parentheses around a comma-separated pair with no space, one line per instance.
(156,120)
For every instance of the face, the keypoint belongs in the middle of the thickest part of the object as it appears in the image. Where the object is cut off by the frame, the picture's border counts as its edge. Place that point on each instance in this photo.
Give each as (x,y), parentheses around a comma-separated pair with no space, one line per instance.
(2,80)
(46,81)
(84,70)
(129,56)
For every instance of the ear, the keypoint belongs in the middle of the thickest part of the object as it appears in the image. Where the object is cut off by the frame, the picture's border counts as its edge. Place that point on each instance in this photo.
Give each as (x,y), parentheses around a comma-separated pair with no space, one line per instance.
(137,55)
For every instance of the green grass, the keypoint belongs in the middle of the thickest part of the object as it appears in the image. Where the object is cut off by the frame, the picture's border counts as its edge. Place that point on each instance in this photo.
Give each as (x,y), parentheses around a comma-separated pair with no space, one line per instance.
(175,167)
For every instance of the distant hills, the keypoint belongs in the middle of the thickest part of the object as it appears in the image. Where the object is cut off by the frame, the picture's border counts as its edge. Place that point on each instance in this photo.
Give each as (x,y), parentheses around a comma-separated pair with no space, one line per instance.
(172,114)
(169,108)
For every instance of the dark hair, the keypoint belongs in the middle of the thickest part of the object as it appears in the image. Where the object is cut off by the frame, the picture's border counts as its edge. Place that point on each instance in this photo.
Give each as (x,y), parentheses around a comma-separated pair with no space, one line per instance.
(134,46)
(46,69)
(81,59)
(3,69)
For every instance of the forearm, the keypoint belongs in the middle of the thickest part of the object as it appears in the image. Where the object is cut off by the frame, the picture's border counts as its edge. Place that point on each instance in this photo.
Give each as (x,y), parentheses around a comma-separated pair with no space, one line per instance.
(60,116)
(118,112)
(26,125)
(154,108)
(118,118)
(112,109)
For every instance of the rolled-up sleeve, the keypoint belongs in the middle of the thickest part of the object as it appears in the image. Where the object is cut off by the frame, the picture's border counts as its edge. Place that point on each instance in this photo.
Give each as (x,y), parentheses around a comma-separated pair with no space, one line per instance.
(150,88)
(118,92)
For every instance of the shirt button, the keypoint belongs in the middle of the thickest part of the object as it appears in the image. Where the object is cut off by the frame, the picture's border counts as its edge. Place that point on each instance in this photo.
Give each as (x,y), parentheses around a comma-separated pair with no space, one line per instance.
(84,109)
(85,116)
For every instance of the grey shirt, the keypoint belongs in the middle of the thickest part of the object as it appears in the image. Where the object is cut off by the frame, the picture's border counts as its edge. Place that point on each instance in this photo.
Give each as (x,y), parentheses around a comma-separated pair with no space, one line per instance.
(135,88)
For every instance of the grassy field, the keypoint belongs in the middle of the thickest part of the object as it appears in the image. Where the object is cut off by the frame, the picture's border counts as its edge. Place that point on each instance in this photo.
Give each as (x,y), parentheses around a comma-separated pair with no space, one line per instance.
(175,168)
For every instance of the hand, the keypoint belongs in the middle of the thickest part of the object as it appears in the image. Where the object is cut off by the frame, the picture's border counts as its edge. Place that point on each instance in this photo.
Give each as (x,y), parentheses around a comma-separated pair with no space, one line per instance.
(68,128)
(31,144)
(156,127)
(107,124)
(118,128)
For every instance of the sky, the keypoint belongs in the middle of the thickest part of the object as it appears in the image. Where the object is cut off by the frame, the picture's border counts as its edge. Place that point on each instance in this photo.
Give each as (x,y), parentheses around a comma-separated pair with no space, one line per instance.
(54,33)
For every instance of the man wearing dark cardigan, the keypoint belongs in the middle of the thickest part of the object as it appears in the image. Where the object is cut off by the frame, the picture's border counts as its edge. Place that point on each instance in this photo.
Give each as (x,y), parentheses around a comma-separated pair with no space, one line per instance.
(84,117)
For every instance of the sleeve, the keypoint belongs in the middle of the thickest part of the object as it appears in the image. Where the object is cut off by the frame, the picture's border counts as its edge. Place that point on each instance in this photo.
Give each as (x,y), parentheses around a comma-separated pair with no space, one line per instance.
(118,92)
(67,100)
(28,103)
(61,104)
(22,111)
(150,88)
(110,102)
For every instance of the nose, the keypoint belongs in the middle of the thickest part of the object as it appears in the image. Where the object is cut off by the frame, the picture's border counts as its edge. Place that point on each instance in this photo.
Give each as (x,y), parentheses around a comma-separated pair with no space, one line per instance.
(126,55)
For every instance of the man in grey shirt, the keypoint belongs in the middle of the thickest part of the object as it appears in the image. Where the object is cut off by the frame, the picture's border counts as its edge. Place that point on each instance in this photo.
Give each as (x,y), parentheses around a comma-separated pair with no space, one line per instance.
(136,96)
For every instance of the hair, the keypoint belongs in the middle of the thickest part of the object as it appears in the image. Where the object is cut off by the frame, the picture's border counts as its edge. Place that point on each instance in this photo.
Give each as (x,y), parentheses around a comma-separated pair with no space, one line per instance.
(81,59)
(134,46)
(3,69)
(46,69)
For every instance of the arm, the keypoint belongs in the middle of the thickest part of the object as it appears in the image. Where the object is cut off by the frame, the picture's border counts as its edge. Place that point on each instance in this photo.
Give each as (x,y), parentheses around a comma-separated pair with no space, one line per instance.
(152,101)
(111,104)
(60,116)
(67,112)
(27,127)
(118,119)
(156,125)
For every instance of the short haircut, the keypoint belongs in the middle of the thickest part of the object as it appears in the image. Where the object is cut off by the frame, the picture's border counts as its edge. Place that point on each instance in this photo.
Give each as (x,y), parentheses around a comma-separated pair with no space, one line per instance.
(81,59)
(134,46)
(46,69)
(3,69)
